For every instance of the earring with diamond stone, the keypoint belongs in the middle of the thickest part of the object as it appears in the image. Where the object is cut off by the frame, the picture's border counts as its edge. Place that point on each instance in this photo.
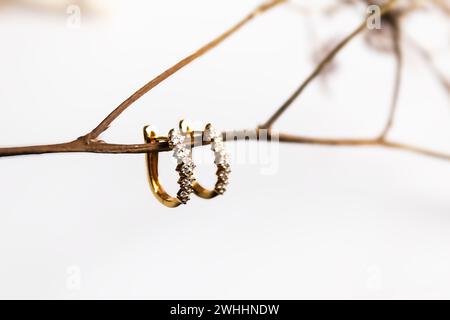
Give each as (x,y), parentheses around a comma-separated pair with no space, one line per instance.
(221,161)
(185,167)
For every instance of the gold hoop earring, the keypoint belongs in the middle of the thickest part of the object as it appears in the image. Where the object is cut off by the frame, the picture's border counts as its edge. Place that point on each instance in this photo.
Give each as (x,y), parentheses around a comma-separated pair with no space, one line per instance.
(185,167)
(221,161)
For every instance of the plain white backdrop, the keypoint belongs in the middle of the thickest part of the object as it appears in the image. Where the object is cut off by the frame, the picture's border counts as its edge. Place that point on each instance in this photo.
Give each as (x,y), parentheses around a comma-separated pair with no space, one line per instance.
(329,223)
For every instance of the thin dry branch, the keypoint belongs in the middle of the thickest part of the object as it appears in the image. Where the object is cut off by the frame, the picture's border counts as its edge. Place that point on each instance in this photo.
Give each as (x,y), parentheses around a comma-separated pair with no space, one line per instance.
(428,59)
(365,143)
(396,40)
(90,143)
(107,148)
(319,68)
(94,134)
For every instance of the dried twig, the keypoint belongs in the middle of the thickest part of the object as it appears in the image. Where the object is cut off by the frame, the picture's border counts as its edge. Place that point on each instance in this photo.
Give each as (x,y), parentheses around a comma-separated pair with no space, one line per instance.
(90,142)
(428,59)
(398,78)
(328,58)
(365,143)
(166,74)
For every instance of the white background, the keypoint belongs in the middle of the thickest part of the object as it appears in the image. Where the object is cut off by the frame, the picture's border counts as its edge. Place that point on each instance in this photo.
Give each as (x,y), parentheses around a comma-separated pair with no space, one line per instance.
(330,223)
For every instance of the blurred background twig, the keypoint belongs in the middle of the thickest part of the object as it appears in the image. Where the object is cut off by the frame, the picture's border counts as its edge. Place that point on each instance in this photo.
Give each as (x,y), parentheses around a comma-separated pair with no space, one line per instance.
(391,14)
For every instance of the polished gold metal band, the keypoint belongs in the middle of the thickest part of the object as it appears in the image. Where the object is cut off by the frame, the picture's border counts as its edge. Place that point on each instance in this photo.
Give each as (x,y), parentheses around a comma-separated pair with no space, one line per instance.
(184,168)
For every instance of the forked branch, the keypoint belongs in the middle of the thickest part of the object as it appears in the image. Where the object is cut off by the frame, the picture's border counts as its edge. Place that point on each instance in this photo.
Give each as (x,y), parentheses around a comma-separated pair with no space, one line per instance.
(181,64)
(91,143)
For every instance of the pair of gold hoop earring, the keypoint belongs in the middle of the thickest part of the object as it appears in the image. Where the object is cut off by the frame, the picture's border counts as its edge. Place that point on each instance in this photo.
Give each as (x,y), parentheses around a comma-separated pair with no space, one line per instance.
(180,142)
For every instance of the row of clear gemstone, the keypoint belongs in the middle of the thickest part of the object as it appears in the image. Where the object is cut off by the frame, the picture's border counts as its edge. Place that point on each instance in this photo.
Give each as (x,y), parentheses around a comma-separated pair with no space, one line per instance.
(185,165)
(221,158)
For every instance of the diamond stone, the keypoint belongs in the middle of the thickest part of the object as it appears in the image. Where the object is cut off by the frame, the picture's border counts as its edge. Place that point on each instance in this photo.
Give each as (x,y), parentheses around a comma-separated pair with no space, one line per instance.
(210,133)
(222,175)
(187,170)
(224,180)
(221,187)
(183,196)
(222,154)
(225,167)
(181,152)
(176,137)
(188,161)
(221,159)
(185,182)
